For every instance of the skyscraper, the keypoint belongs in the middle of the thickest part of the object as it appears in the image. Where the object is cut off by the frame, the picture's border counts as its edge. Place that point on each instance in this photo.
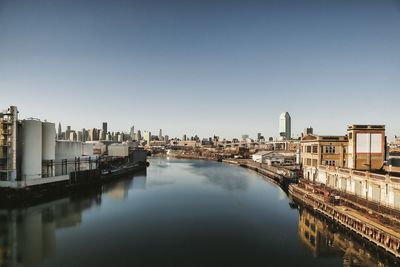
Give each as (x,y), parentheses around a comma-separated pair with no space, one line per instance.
(160,136)
(104,132)
(147,137)
(132,133)
(59,133)
(285,122)
(67,133)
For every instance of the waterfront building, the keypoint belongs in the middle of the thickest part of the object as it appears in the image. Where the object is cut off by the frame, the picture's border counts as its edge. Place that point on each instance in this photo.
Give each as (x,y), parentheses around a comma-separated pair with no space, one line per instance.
(285,124)
(8,144)
(352,164)
(322,151)
(188,144)
(260,156)
(367,147)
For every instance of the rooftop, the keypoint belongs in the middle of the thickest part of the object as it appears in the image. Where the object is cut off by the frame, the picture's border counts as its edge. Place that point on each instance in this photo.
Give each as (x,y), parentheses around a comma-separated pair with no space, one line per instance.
(365,127)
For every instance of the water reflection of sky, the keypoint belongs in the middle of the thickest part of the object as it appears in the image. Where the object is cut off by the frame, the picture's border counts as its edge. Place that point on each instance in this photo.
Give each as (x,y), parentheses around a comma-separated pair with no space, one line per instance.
(187,214)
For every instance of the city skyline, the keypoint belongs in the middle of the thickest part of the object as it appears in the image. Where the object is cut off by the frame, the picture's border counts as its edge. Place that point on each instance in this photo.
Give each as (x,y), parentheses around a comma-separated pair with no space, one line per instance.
(205,67)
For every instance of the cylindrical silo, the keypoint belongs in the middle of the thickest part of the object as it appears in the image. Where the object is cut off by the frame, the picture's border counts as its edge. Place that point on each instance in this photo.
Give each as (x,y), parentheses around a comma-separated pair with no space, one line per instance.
(48,141)
(31,161)
(67,150)
(48,148)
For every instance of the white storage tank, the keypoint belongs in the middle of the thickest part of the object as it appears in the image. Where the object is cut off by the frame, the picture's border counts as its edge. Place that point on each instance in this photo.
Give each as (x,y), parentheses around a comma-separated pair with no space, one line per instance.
(48,141)
(48,148)
(68,150)
(118,150)
(31,147)
(87,149)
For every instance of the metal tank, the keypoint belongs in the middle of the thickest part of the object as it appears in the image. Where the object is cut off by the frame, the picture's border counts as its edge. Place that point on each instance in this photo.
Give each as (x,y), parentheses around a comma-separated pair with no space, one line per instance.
(48,148)
(31,160)
(67,150)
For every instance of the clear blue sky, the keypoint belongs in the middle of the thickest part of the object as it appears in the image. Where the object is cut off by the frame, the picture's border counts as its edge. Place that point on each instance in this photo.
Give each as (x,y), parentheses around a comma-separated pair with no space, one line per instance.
(203,67)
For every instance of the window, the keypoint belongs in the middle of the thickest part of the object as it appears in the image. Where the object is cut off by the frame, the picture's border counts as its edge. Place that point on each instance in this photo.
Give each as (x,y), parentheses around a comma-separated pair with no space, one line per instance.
(330,162)
(315,149)
(330,149)
(308,162)
(308,149)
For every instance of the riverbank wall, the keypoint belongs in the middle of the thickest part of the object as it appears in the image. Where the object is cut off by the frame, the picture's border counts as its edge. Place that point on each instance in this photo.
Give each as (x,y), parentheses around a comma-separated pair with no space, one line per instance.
(279,176)
(384,234)
(25,193)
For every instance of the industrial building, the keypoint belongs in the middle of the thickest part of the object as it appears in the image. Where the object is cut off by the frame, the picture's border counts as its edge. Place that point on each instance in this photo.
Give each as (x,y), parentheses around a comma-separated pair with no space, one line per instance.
(352,164)
(274,158)
(260,156)
(30,151)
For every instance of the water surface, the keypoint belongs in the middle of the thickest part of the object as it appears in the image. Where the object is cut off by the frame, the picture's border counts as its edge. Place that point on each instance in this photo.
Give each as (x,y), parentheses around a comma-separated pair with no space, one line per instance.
(179,213)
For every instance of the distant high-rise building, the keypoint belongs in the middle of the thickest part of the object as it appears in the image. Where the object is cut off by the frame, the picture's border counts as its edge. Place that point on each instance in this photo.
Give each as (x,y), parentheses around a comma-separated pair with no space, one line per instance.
(80,136)
(104,131)
(67,133)
(59,133)
(285,131)
(93,134)
(258,136)
(184,137)
(139,136)
(160,136)
(72,136)
(84,135)
(132,133)
(147,137)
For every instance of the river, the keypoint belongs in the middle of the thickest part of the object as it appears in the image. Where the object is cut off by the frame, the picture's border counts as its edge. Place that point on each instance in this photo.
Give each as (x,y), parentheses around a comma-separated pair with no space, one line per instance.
(179,213)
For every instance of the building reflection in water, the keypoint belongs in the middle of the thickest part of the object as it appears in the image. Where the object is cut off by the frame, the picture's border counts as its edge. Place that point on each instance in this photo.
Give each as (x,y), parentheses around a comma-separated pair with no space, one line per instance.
(118,190)
(28,235)
(139,183)
(325,240)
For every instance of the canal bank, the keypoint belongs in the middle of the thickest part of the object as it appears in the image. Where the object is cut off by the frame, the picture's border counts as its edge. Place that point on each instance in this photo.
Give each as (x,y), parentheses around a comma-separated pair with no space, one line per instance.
(26,193)
(280,176)
(365,223)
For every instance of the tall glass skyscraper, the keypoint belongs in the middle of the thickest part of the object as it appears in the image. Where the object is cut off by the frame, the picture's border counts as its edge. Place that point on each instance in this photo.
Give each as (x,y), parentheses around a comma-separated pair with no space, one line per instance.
(285,126)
